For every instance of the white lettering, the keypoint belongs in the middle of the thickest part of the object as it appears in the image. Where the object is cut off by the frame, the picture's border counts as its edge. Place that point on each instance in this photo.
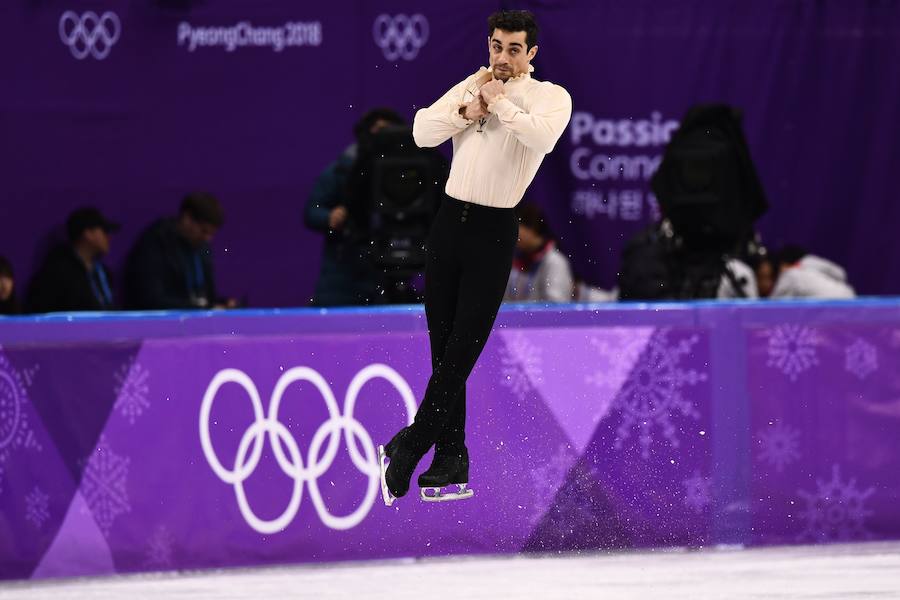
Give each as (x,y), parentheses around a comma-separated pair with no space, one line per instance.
(622,133)
(603,167)
(246,35)
(624,205)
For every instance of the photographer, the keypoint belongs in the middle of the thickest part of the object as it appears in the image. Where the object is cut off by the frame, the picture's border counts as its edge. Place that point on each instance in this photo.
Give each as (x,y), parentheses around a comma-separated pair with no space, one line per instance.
(710,197)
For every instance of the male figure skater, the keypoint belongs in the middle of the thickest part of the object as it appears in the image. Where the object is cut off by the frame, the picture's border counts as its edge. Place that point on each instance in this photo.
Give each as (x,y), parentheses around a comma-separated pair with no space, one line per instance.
(502,122)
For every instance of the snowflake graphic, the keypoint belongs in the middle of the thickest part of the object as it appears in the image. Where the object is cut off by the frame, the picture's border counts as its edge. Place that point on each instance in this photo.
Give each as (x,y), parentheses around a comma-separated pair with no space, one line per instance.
(131,391)
(37,507)
(697,492)
(619,348)
(29,374)
(779,445)
(15,430)
(104,485)
(861,358)
(159,549)
(652,394)
(792,349)
(520,364)
(547,478)
(836,511)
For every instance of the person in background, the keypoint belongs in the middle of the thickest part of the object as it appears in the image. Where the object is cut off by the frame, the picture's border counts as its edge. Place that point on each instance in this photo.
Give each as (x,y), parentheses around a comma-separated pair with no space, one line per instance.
(347,276)
(582,291)
(804,275)
(540,272)
(738,282)
(766,274)
(9,305)
(72,276)
(170,266)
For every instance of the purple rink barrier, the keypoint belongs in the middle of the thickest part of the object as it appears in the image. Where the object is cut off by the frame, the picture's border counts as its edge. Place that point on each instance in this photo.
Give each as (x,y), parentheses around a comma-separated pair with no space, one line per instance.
(168,96)
(136,442)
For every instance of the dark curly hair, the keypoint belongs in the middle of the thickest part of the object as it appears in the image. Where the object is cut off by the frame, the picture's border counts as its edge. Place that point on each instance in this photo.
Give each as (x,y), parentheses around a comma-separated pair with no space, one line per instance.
(203,208)
(512,21)
(531,216)
(6,268)
(361,128)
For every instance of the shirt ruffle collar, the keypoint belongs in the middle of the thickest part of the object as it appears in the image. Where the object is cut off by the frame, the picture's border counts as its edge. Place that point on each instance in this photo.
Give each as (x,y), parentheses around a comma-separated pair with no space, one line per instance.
(518,77)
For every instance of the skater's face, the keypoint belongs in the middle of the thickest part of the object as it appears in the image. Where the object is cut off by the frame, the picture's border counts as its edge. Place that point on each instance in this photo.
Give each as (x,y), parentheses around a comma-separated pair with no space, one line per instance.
(509,54)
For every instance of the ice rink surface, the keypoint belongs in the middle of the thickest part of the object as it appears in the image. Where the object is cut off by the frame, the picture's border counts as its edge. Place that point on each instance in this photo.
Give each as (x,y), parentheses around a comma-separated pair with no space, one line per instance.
(842,572)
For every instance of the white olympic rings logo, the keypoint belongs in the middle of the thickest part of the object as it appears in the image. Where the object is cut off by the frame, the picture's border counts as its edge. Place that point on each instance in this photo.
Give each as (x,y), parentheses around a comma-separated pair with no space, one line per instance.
(89,33)
(401,36)
(292,463)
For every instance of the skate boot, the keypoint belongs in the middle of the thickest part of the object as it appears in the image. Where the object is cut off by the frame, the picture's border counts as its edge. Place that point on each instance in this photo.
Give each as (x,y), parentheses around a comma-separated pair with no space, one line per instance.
(397,462)
(450,468)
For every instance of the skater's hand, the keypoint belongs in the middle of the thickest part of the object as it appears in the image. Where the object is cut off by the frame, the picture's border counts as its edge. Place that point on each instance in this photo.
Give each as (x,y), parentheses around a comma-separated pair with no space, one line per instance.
(337,217)
(475,109)
(491,90)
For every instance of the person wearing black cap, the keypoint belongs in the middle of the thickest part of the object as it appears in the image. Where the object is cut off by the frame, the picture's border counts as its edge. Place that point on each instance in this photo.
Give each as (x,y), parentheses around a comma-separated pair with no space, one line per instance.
(72,277)
(170,266)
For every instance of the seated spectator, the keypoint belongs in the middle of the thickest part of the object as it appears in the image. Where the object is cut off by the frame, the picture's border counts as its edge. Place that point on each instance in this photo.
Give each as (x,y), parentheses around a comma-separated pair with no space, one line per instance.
(766,273)
(72,277)
(540,272)
(584,292)
(804,275)
(170,266)
(9,305)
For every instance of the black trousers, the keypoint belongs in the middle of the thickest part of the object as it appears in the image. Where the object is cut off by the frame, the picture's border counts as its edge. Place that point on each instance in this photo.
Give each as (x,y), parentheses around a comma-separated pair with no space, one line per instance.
(470,251)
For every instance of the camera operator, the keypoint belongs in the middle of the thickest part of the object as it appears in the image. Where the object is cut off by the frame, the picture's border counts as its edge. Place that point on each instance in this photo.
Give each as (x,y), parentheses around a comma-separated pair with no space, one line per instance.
(347,276)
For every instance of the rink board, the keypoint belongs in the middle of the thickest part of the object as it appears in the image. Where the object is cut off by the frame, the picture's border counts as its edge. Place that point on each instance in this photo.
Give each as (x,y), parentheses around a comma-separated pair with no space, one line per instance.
(138,442)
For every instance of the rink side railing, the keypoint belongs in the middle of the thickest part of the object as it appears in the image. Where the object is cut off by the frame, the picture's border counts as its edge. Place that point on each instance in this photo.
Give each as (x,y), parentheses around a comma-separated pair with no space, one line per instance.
(154,441)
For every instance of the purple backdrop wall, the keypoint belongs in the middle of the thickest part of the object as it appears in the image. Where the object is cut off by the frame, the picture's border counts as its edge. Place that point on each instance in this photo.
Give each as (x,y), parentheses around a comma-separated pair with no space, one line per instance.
(153,119)
(819,83)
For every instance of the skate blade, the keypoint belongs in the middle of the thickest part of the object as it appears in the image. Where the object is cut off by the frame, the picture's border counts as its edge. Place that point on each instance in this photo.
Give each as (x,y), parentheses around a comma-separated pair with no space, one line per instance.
(382,463)
(437,494)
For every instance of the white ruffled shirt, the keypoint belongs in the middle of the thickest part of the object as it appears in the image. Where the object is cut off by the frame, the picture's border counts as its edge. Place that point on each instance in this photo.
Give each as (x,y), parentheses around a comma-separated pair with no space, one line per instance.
(496,158)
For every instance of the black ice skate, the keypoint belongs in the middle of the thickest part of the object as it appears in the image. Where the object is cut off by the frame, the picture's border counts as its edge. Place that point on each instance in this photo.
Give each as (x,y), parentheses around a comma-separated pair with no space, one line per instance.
(397,462)
(449,468)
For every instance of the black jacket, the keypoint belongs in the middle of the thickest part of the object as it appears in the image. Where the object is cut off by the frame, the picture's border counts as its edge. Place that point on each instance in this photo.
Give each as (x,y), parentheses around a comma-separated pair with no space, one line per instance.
(164,272)
(63,283)
(10,306)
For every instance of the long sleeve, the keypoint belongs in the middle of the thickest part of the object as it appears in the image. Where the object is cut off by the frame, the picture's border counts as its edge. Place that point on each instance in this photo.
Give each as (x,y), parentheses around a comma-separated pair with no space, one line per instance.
(150,282)
(322,199)
(557,280)
(209,279)
(541,127)
(494,163)
(42,296)
(439,122)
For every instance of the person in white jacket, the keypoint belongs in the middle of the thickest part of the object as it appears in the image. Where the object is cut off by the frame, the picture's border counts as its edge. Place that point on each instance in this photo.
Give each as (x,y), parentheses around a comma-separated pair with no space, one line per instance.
(540,272)
(502,123)
(803,275)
